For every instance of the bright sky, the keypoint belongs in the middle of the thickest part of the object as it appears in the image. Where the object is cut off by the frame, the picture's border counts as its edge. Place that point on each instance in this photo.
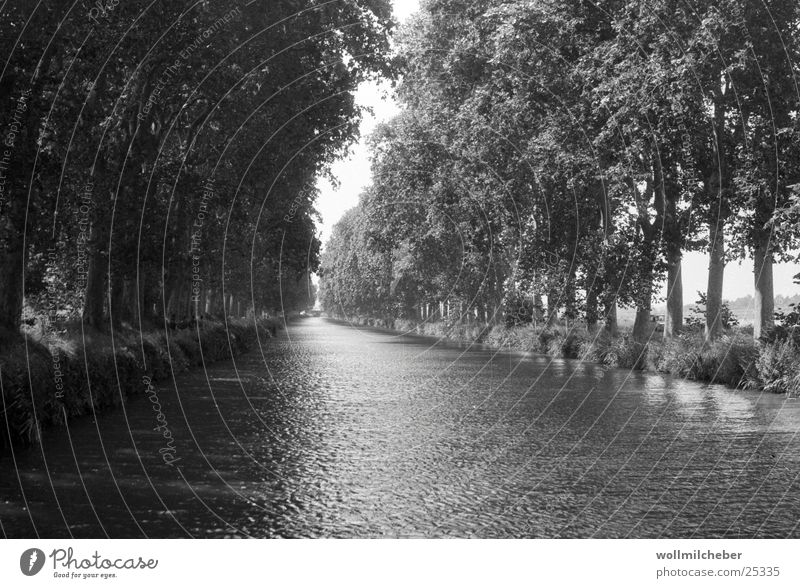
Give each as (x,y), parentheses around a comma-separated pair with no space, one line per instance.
(353,173)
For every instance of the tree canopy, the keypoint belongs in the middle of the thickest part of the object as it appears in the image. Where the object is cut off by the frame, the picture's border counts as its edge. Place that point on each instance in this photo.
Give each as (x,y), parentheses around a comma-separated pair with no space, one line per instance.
(574,151)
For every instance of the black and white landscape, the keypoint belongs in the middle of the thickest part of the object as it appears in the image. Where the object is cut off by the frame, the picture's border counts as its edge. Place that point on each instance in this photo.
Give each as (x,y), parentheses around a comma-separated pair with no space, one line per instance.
(553,293)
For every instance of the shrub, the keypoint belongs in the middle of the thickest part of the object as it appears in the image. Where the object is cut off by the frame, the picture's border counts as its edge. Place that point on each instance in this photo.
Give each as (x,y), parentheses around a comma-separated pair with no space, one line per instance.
(189,343)
(545,338)
(98,372)
(730,360)
(624,352)
(726,361)
(101,377)
(698,316)
(468,332)
(407,326)
(26,370)
(522,338)
(269,326)
(671,357)
(782,332)
(214,343)
(77,399)
(593,348)
(153,356)
(778,367)
(497,336)
(572,344)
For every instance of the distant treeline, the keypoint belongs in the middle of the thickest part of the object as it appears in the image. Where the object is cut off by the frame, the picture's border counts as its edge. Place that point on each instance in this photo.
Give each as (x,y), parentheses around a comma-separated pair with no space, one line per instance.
(570,153)
(159,159)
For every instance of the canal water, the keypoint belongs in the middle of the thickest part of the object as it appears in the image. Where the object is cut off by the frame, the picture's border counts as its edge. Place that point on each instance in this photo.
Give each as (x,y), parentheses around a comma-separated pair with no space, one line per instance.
(336,431)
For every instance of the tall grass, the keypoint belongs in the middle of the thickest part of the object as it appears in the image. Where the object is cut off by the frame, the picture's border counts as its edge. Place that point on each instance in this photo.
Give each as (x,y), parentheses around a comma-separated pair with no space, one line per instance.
(778,367)
(56,376)
(729,360)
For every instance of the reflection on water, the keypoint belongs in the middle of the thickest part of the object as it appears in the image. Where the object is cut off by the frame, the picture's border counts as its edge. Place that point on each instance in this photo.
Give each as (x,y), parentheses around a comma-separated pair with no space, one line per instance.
(337,431)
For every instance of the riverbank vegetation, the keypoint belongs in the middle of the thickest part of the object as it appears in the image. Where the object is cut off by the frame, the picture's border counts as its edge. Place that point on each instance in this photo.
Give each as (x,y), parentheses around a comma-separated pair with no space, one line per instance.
(554,161)
(735,359)
(75,372)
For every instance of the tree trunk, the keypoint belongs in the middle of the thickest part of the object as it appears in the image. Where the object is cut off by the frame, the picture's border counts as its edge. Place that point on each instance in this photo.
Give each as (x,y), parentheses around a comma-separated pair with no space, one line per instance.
(498,309)
(148,300)
(673,237)
(13,258)
(171,293)
(609,278)
(592,308)
(642,325)
(180,291)
(552,308)
(717,188)
(12,266)
(570,296)
(218,304)
(716,276)
(22,190)
(764,317)
(611,324)
(538,309)
(95,294)
(118,310)
(200,305)
(131,300)
(134,300)
(673,322)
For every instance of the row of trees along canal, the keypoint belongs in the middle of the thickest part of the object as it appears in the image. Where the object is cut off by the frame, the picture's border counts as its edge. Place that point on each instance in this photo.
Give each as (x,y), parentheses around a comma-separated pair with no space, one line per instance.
(574,151)
(157,155)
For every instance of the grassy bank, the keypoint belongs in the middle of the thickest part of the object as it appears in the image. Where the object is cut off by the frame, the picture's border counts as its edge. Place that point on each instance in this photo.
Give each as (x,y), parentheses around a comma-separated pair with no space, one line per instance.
(736,359)
(50,378)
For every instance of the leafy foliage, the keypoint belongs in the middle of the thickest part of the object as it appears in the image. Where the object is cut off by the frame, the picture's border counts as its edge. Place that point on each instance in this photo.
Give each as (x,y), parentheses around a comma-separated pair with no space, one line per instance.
(574,151)
(169,152)
(697,320)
